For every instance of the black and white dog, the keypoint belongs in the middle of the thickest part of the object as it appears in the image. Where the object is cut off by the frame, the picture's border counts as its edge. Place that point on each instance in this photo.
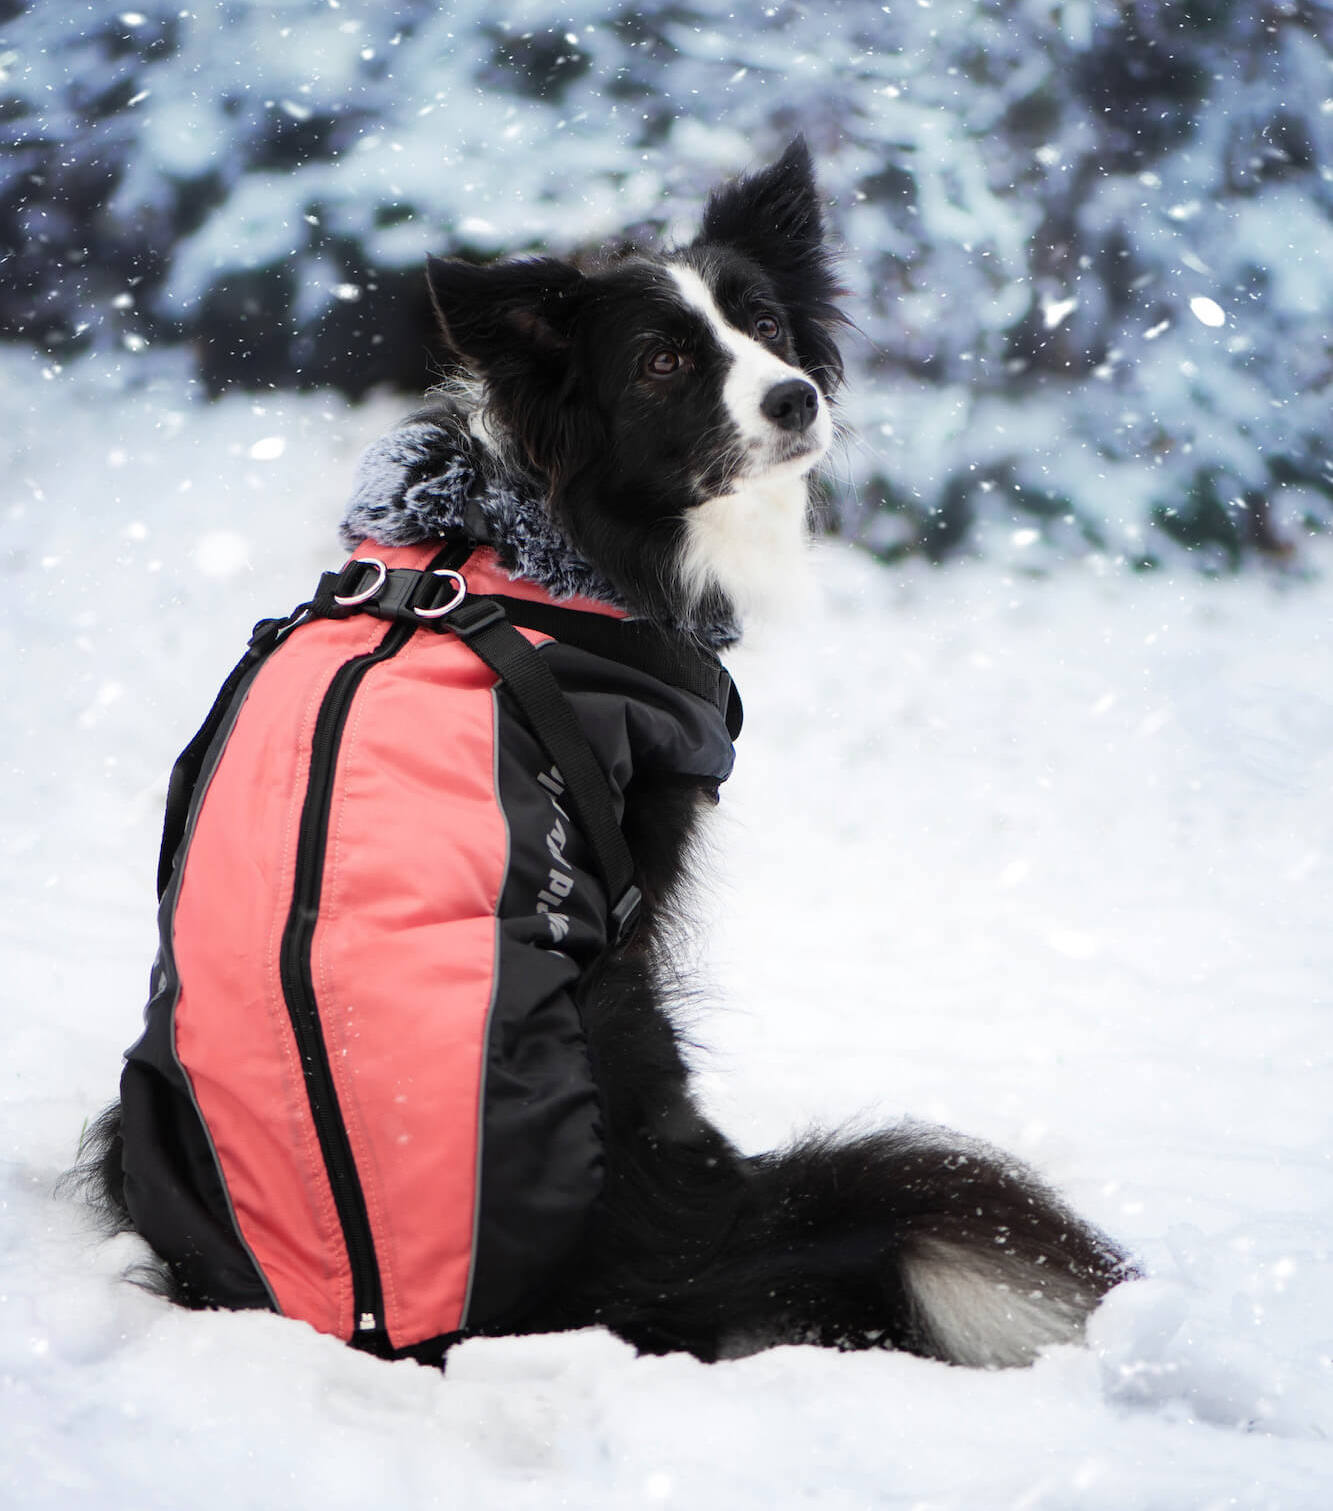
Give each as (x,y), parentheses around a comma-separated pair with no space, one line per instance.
(648,426)
(671,407)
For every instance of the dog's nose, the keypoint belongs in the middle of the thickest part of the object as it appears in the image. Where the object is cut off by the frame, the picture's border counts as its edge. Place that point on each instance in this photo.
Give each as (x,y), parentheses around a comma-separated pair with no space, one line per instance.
(791,404)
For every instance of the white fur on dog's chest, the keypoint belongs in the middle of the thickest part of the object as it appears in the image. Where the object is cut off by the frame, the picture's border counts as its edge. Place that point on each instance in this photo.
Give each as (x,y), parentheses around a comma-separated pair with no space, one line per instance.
(751,544)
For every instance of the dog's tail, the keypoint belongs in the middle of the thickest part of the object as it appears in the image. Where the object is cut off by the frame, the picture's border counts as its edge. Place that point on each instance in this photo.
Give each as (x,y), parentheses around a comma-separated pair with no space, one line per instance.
(912,1238)
(973,1258)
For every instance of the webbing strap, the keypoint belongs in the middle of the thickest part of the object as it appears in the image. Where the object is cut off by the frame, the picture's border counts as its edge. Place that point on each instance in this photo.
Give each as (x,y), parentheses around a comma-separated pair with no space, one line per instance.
(364,585)
(185,773)
(480,623)
(437,599)
(672,659)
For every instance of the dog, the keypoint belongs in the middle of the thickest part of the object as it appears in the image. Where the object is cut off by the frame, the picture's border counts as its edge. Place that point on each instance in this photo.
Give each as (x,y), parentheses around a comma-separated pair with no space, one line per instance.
(637,435)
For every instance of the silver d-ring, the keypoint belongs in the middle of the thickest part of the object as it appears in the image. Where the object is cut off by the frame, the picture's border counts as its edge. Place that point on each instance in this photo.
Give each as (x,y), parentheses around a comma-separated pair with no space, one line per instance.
(352,599)
(460,593)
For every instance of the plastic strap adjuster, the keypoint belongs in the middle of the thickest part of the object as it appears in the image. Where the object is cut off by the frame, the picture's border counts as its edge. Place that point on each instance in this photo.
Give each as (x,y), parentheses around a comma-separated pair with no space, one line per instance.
(474,615)
(394,599)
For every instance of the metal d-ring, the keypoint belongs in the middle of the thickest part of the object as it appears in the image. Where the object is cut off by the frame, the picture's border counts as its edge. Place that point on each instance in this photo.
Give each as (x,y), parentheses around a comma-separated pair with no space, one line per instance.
(460,593)
(351,600)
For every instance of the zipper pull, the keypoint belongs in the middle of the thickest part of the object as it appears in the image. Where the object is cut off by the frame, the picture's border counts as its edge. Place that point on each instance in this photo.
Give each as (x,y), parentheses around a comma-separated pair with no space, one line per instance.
(366,1322)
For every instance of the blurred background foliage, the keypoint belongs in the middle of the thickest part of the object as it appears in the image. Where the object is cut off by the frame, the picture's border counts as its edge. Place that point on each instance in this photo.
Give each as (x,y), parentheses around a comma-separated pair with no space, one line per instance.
(1087,242)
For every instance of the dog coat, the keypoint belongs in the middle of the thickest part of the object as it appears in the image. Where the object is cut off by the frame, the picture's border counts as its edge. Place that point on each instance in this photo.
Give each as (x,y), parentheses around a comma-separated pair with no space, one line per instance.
(362,1095)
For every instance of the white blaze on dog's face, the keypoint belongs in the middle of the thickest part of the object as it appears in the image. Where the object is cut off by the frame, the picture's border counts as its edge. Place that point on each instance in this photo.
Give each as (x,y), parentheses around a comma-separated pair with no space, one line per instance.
(749,541)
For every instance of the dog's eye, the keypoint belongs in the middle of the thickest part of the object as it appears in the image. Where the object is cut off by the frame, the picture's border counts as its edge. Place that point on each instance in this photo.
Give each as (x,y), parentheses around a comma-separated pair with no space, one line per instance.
(663,363)
(767,328)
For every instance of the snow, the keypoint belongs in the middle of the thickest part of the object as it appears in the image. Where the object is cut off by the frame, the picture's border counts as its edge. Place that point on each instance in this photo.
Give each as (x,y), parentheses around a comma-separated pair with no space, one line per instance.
(1045,858)
(1207,311)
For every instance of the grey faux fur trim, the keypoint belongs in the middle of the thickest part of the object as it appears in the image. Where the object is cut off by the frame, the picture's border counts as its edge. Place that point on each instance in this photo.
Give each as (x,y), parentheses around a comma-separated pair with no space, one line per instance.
(429,477)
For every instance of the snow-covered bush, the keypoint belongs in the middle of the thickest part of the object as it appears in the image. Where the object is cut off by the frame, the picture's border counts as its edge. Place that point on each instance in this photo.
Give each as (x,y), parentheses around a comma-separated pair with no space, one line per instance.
(1088,240)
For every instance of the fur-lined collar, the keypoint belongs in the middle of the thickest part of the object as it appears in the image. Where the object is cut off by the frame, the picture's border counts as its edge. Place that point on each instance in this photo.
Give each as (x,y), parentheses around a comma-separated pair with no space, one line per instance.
(431,477)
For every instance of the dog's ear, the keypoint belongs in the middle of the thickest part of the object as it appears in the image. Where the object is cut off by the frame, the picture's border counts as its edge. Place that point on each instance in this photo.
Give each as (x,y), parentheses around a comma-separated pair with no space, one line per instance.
(497,314)
(772,215)
(774,218)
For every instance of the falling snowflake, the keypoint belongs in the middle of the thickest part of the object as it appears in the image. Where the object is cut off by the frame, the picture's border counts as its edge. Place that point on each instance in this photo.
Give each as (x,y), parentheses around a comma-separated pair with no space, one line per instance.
(1207,311)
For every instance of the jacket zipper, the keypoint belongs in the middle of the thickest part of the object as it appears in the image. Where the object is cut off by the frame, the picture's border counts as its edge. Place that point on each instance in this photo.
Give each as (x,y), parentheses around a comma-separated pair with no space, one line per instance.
(299,990)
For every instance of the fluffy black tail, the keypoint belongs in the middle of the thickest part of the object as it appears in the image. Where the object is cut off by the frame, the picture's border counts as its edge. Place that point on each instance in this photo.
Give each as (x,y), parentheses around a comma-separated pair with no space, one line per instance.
(922,1240)
(913,1238)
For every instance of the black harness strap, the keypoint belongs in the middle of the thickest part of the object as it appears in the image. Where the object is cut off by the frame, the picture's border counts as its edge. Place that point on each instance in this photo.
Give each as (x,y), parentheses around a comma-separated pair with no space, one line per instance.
(634,642)
(363,585)
(190,763)
(437,599)
(480,623)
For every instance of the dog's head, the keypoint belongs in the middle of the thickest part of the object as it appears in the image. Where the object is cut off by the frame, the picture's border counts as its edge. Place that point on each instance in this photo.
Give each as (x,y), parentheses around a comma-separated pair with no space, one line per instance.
(670,405)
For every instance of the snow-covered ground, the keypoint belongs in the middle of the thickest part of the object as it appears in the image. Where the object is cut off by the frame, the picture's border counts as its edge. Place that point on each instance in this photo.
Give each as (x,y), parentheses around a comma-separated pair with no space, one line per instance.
(1048,860)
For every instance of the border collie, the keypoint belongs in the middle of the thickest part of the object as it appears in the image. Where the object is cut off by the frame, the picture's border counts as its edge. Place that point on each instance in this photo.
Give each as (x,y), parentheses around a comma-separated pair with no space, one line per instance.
(642,430)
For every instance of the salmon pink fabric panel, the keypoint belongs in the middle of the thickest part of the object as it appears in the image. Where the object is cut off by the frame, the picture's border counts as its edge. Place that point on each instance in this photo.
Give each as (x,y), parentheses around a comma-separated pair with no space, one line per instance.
(233,1033)
(403,963)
